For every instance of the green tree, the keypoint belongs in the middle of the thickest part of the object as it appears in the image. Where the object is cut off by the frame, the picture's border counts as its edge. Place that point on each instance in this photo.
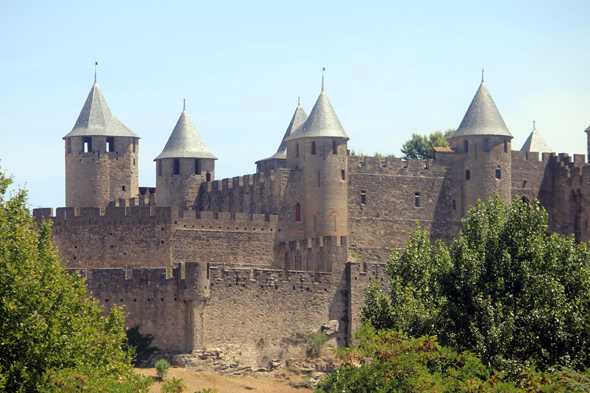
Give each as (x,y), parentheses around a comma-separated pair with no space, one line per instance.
(48,324)
(505,290)
(420,146)
(386,361)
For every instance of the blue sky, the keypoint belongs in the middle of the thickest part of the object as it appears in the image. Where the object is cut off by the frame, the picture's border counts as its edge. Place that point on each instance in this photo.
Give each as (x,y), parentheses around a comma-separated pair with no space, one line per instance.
(392,69)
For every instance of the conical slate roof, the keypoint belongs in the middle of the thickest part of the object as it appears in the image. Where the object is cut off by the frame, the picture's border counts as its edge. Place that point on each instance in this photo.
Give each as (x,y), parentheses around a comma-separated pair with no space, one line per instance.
(322,122)
(482,117)
(536,143)
(185,141)
(299,117)
(96,119)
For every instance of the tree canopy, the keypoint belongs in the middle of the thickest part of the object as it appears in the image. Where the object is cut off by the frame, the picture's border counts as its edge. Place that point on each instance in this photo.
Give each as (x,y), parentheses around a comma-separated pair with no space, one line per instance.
(49,327)
(505,290)
(420,146)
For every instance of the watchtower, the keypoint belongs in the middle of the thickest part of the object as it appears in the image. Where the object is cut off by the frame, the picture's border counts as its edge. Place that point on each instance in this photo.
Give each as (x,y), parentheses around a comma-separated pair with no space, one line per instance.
(485,142)
(318,149)
(101,156)
(183,165)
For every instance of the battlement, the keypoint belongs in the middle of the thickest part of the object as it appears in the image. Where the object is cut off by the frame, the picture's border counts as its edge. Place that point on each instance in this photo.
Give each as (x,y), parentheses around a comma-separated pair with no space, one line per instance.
(268,279)
(141,200)
(517,155)
(113,215)
(389,164)
(240,181)
(314,255)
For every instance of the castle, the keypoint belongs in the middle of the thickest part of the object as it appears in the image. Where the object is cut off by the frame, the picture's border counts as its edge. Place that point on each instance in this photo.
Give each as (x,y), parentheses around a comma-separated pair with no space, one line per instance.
(200,262)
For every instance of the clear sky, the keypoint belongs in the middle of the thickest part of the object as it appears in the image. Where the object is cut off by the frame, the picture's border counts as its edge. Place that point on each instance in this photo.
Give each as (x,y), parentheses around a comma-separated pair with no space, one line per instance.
(392,69)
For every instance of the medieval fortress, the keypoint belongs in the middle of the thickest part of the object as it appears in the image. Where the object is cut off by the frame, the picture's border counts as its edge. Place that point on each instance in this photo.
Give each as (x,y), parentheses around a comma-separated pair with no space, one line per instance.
(206,263)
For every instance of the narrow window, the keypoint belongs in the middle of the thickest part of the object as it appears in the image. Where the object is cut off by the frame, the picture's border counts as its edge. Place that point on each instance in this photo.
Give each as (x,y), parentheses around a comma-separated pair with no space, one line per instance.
(313,148)
(319,178)
(465,146)
(343,175)
(505,146)
(176,166)
(486,145)
(297,151)
(454,205)
(122,188)
(297,212)
(110,144)
(87,144)
(467,175)
(498,174)
(208,176)
(363,197)
(134,162)
(134,142)
(159,168)
(69,145)
(314,223)
(197,167)
(417,199)
(207,271)
(334,148)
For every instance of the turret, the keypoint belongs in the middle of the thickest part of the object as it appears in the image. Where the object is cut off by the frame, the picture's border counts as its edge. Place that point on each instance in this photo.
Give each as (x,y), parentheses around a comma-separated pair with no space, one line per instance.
(279,159)
(101,156)
(536,143)
(183,165)
(485,142)
(318,149)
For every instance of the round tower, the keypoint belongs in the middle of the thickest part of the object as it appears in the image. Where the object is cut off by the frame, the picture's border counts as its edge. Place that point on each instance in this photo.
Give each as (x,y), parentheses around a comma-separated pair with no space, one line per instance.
(101,156)
(485,142)
(318,149)
(183,165)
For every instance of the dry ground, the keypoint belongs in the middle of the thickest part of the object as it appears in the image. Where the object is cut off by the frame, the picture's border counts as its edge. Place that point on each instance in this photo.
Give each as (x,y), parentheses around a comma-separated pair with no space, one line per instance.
(197,380)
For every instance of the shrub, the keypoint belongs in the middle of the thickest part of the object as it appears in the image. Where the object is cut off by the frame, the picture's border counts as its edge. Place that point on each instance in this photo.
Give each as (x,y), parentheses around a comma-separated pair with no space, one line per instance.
(162,367)
(173,386)
(316,344)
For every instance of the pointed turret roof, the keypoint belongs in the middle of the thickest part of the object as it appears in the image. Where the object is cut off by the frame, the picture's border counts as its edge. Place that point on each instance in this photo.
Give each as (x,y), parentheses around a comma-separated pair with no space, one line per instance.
(185,141)
(322,122)
(299,117)
(536,143)
(482,117)
(96,118)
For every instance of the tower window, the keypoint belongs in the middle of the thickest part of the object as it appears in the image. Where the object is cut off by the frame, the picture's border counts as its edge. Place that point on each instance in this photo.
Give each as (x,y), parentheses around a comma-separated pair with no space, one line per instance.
(69,145)
(498,174)
(134,142)
(334,148)
(363,197)
(176,166)
(110,144)
(505,146)
(319,178)
(467,175)
(122,189)
(297,212)
(87,144)
(454,205)
(208,177)
(313,148)
(486,145)
(465,146)
(297,151)
(417,199)
(159,168)
(197,167)
(343,174)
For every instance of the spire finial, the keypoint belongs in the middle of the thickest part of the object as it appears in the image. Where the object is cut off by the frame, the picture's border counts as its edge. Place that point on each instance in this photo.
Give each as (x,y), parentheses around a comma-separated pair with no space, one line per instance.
(299,101)
(184,104)
(482,72)
(95,64)
(534,126)
(323,71)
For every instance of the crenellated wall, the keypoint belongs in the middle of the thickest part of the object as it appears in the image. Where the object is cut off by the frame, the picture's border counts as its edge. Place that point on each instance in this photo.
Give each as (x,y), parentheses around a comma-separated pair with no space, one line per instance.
(313,254)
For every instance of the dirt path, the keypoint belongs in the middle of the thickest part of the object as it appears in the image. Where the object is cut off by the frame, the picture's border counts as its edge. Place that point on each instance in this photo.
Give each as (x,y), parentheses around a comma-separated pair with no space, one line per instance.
(197,380)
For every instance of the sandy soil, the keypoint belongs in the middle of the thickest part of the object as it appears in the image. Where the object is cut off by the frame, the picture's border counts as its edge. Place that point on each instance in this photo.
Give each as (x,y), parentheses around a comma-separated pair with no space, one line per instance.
(197,380)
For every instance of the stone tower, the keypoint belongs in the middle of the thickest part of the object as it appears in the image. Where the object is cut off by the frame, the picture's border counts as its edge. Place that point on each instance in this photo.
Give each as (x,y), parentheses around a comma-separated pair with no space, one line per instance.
(279,159)
(485,142)
(183,165)
(101,156)
(318,149)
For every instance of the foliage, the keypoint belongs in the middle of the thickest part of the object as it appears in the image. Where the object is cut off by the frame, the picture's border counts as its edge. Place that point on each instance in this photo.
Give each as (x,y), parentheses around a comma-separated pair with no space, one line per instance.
(505,290)
(575,381)
(420,146)
(162,367)
(142,344)
(377,154)
(47,321)
(86,379)
(173,386)
(209,390)
(385,361)
(316,343)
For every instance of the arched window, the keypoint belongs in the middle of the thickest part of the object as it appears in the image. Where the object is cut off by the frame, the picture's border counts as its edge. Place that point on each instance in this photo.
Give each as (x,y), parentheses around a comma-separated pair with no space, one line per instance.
(486,145)
(467,175)
(313,147)
(465,147)
(297,212)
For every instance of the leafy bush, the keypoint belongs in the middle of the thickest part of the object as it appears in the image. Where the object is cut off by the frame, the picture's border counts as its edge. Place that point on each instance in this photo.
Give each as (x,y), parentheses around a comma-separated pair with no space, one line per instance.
(173,386)
(162,367)
(316,344)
